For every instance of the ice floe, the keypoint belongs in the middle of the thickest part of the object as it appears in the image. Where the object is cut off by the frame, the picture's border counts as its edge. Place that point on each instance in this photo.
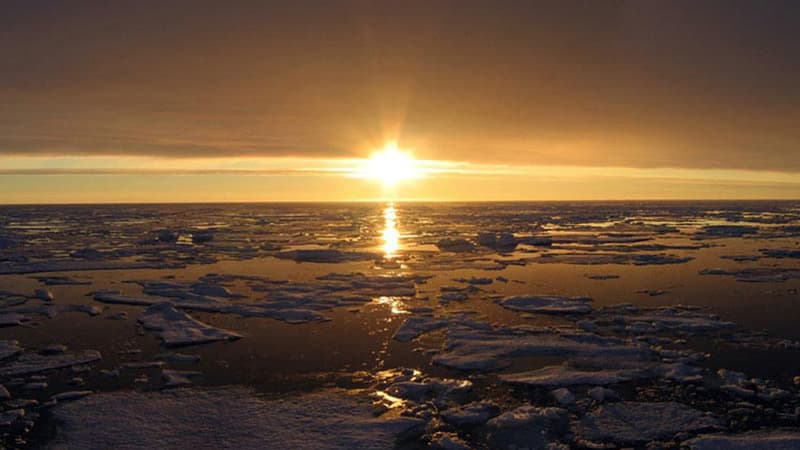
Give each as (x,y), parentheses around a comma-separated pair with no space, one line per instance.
(229,418)
(175,327)
(637,422)
(29,363)
(547,304)
(779,439)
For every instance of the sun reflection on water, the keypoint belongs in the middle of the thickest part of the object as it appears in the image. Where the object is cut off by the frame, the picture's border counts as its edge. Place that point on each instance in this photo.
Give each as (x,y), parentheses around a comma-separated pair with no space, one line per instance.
(391,235)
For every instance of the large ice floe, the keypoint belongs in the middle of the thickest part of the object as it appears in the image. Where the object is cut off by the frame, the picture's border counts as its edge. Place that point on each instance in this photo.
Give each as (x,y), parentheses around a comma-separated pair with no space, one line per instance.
(226,418)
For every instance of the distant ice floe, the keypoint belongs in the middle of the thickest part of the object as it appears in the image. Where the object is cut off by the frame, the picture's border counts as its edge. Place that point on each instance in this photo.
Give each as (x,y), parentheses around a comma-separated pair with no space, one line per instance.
(547,304)
(227,418)
(327,256)
(757,274)
(635,259)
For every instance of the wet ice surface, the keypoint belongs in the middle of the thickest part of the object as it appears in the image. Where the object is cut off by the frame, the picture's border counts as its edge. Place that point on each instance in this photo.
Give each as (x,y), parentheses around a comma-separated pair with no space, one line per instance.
(486,326)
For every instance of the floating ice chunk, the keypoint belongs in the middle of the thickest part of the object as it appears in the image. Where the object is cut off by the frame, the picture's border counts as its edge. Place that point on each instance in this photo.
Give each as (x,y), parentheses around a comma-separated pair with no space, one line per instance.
(213,290)
(326,256)
(762,440)
(11,416)
(44,295)
(59,281)
(601,394)
(70,395)
(9,349)
(178,357)
(4,394)
(175,327)
(110,296)
(635,422)
(471,415)
(548,304)
(455,245)
(602,277)
(53,349)
(503,242)
(563,396)
(415,326)
(51,309)
(226,418)
(29,363)
(173,378)
(475,280)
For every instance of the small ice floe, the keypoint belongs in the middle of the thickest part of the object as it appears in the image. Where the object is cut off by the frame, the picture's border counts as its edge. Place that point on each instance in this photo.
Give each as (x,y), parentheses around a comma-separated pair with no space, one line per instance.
(780,253)
(61,281)
(70,395)
(175,327)
(415,326)
(503,242)
(636,259)
(527,427)
(53,349)
(602,394)
(30,363)
(475,280)
(174,378)
(652,292)
(455,245)
(778,439)
(227,417)
(4,394)
(470,415)
(602,277)
(326,256)
(547,304)
(563,396)
(638,422)
(44,295)
(757,274)
(178,357)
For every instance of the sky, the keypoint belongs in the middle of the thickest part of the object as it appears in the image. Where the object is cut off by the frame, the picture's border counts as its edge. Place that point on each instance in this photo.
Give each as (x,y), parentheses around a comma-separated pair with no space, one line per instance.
(137,101)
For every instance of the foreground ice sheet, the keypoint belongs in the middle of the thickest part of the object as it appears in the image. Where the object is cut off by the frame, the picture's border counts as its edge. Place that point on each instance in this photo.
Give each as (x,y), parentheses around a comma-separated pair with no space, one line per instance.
(225,418)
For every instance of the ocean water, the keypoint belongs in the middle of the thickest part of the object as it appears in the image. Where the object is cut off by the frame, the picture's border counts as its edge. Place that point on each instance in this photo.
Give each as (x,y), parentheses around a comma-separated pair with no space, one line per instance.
(316,294)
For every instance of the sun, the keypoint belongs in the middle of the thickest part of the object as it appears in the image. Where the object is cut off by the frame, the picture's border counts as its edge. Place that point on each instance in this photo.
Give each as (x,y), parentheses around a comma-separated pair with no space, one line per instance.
(390,165)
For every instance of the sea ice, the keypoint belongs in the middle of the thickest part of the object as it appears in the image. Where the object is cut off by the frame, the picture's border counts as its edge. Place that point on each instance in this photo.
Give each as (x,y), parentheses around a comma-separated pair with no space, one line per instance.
(226,418)
(779,439)
(175,327)
(29,363)
(548,304)
(637,422)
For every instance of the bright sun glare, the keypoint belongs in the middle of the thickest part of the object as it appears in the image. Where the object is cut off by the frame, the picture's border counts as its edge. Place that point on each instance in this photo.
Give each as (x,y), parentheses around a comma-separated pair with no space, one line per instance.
(391,165)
